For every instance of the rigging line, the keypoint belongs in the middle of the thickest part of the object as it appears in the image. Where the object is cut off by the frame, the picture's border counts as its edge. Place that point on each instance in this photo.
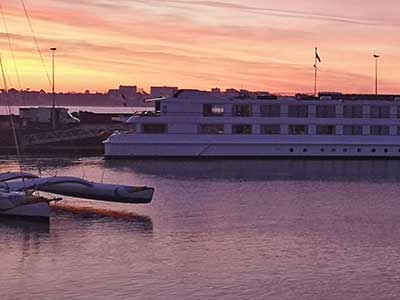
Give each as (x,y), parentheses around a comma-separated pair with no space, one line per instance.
(12,118)
(10,46)
(36,42)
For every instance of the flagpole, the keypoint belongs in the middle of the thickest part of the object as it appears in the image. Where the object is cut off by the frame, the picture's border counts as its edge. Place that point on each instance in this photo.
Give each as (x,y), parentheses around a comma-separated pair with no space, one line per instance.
(315,71)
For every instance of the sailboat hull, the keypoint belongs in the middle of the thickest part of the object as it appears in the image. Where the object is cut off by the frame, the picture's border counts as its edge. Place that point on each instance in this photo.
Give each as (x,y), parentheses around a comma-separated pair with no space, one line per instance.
(36,210)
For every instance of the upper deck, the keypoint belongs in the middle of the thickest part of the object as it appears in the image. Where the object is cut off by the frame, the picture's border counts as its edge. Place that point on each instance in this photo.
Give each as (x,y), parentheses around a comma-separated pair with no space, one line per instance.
(194,112)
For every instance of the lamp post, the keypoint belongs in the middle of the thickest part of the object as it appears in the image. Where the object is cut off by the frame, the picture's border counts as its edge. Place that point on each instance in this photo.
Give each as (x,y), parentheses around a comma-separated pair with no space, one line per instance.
(376,73)
(53,107)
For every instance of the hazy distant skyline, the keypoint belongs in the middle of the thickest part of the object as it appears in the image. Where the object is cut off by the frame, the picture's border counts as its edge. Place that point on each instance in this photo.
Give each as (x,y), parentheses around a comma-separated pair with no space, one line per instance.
(255,45)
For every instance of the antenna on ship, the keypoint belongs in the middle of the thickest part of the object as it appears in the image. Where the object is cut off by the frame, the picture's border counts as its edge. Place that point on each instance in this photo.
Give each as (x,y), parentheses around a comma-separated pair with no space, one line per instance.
(376,56)
(317,59)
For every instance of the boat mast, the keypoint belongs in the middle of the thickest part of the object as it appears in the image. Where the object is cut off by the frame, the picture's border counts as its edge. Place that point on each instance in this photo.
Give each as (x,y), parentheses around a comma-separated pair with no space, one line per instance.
(11,115)
(53,110)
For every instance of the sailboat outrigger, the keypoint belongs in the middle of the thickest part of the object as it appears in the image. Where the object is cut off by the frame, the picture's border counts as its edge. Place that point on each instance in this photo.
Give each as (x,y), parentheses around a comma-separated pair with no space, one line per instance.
(17,196)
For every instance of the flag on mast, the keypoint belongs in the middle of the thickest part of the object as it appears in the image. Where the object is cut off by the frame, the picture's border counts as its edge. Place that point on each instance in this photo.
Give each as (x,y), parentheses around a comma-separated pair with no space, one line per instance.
(316,55)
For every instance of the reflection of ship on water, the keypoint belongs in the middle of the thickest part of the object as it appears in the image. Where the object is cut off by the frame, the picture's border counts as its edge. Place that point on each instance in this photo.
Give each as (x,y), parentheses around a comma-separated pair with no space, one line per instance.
(264,170)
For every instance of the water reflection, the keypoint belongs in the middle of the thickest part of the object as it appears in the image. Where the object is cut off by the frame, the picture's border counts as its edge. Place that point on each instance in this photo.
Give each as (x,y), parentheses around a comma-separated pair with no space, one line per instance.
(95,215)
(24,226)
(264,170)
(28,234)
(310,229)
(49,165)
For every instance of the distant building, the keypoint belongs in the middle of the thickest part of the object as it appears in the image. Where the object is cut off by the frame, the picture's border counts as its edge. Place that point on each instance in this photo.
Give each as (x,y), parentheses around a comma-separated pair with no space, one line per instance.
(232,92)
(162,91)
(128,91)
(114,93)
(216,91)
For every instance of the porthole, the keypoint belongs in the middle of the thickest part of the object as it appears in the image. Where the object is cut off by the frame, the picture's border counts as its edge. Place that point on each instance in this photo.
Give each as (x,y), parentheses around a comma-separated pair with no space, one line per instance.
(333,149)
(291,150)
(345,150)
(386,150)
(373,150)
(358,150)
(322,150)
(305,150)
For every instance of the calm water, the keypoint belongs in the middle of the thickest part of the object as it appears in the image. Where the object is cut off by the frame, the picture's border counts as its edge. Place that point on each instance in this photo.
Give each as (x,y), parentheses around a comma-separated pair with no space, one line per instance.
(216,230)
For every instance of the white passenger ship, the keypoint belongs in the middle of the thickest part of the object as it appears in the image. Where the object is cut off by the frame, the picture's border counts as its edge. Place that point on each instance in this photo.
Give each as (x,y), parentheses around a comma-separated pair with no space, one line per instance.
(213,124)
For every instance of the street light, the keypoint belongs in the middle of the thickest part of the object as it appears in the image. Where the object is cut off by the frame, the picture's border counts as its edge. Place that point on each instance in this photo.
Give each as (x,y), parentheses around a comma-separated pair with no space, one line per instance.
(53,110)
(376,73)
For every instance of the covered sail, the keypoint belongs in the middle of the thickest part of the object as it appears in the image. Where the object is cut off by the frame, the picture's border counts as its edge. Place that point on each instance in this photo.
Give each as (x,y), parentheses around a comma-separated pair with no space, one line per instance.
(77,187)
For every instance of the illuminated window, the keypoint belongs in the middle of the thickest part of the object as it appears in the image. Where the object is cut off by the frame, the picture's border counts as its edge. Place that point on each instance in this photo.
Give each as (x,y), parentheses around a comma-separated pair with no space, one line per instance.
(213,110)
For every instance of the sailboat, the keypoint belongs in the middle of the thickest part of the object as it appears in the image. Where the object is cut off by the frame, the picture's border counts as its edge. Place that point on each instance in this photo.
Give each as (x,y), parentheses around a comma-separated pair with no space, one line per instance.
(19,191)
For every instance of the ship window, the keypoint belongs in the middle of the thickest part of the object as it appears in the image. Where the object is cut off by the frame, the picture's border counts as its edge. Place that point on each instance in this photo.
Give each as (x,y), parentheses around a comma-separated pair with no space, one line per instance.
(211,129)
(292,150)
(333,150)
(352,130)
(373,150)
(270,110)
(326,111)
(298,129)
(213,110)
(322,150)
(386,150)
(298,111)
(379,130)
(358,150)
(398,112)
(241,110)
(398,130)
(154,128)
(345,150)
(326,129)
(270,129)
(379,112)
(241,129)
(305,150)
(352,111)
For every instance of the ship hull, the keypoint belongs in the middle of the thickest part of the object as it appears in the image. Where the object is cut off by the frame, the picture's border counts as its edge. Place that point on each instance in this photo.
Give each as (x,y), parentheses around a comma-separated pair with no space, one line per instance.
(129,146)
(36,210)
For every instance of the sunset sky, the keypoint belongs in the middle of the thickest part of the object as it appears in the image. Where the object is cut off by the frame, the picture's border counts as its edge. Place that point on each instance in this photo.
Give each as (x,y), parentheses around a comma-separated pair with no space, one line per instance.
(254,44)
